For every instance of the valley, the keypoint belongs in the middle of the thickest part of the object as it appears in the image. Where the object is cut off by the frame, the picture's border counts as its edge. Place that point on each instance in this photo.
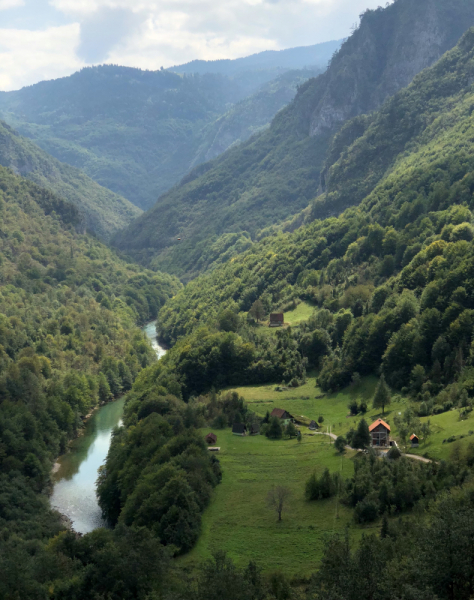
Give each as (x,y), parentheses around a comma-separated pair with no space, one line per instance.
(237,302)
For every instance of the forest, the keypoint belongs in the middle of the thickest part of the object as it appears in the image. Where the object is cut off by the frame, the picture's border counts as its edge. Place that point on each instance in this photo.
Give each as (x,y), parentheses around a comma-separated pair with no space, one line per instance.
(375,279)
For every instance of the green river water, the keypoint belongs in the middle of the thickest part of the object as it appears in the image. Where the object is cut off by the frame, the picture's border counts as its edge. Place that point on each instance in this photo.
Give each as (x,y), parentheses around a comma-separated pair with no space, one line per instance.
(75,478)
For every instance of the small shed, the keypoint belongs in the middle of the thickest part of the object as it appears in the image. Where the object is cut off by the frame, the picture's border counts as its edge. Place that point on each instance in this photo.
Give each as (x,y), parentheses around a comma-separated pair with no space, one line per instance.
(239,429)
(282,414)
(313,426)
(211,438)
(277,320)
(380,433)
(415,440)
(254,429)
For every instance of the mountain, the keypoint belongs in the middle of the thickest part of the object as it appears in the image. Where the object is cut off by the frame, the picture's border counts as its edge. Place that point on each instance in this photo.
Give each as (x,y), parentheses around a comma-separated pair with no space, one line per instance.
(103,212)
(292,58)
(391,281)
(137,132)
(277,173)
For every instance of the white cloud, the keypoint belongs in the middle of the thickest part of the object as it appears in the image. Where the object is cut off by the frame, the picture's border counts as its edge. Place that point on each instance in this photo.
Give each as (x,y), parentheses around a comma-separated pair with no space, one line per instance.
(27,57)
(5,4)
(154,33)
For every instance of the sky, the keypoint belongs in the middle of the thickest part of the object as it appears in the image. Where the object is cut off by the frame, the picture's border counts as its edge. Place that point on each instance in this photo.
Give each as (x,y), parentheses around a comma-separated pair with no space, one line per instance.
(46,39)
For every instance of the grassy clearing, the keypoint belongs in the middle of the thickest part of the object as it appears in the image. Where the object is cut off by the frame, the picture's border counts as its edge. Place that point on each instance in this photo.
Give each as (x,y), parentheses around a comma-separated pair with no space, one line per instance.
(444,426)
(301,313)
(311,402)
(238,519)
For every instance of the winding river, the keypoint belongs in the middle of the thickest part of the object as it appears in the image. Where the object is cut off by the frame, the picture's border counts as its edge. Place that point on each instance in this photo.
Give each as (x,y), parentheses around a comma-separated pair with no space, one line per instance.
(76,472)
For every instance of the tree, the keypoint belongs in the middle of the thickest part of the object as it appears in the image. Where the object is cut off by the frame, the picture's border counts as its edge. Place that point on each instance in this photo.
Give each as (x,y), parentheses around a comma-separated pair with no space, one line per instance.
(257,310)
(382,395)
(274,431)
(277,498)
(299,437)
(340,444)
(320,419)
(291,430)
(361,438)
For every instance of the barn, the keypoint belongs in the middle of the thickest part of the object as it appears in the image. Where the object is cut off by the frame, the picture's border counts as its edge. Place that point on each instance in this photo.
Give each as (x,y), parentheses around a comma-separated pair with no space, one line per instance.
(313,426)
(277,320)
(380,433)
(239,429)
(415,440)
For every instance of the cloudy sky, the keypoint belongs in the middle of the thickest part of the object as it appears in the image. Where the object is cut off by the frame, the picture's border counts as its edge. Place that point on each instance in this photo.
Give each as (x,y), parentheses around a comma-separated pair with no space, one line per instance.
(45,39)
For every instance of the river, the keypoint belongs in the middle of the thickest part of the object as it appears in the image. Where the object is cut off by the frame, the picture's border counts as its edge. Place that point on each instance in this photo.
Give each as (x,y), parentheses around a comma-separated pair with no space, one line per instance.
(76,472)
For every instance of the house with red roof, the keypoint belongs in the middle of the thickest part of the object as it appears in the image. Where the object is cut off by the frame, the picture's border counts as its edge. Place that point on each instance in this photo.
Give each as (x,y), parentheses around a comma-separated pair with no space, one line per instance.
(415,440)
(283,415)
(380,433)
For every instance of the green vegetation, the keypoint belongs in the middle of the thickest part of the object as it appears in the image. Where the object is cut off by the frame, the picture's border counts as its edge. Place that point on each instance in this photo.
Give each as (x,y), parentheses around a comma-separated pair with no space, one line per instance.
(103,212)
(238,520)
(271,177)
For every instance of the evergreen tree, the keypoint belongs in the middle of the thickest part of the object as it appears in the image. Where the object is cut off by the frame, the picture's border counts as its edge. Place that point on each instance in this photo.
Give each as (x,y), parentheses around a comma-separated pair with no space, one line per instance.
(291,430)
(275,430)
(382,395)
(361,438)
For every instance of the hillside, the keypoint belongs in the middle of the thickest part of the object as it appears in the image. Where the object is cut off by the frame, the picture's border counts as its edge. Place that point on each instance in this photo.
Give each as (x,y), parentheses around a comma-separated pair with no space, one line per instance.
(277,173)
(292,58)
(138,132)
(392,274)
(103,212)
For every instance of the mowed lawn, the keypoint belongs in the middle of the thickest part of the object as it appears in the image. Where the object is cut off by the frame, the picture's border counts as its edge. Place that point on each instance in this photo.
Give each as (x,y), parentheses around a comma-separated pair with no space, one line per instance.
(238,519)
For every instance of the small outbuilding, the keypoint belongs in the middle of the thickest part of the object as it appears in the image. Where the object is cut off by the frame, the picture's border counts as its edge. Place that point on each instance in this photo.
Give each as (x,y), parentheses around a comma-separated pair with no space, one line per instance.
(277,320)
(380,433)
(313,426)
(211,438)
(239,429)
(254,429)
(415,440)
(283,415)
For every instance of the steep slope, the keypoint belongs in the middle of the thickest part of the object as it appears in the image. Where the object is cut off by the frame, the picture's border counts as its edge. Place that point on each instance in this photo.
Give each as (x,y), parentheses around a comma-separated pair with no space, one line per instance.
(392,280)
(103,212)
(275,174)
(293,58)
(135,132)
(250,115)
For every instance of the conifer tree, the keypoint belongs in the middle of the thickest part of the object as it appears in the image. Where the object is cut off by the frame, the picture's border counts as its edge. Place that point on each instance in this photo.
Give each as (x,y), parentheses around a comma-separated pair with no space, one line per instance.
(382,395)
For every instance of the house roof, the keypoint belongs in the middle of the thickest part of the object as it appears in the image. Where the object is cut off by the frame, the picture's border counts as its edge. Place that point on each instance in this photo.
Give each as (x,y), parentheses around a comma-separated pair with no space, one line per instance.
(413,436)
(312,423)
(238,428)
(276,317)
(280,413)
(211,436)
(377,423)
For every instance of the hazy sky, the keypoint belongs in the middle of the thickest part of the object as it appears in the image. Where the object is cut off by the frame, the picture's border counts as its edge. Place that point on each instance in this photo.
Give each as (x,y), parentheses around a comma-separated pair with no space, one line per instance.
(45,39)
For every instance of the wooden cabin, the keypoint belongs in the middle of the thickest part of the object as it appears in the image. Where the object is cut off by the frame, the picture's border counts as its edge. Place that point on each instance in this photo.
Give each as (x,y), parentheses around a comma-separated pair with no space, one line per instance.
(313,426)
(380,433)
(282,414)
(211,438)
(415,440)
(239,429)
(277,320)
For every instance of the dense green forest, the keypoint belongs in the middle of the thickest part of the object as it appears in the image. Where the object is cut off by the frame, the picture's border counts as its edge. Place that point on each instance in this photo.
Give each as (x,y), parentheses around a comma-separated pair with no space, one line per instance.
(68,341)
(393,273)
(137,132)
(277,174)
(104,212)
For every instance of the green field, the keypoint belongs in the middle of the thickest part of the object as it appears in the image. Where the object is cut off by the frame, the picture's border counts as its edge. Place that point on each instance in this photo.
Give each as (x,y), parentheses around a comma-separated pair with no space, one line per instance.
(301,313)
(238,519)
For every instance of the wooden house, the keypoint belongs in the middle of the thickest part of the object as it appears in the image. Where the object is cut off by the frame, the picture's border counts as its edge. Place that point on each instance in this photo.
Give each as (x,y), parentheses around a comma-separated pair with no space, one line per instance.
(211,438)
(313,426)
(415,440)
(380,433)
(282,414)
(276,320)
(239,429)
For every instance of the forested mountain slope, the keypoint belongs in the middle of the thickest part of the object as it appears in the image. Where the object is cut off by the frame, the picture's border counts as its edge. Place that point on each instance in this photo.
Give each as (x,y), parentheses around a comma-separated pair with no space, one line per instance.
(69,340)
(396,273)
(292,58)
(277,173)
(138,132)
(103,211)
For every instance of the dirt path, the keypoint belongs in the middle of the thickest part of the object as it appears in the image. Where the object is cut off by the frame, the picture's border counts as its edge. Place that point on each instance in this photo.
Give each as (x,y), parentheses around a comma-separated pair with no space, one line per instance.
(413,456)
